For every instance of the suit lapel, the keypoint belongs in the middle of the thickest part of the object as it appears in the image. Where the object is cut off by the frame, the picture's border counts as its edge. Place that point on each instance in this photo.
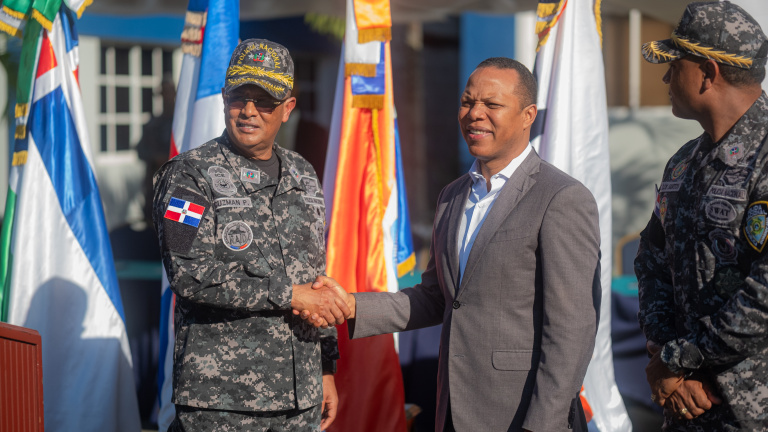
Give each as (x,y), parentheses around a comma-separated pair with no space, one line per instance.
(455,211)
(509,195)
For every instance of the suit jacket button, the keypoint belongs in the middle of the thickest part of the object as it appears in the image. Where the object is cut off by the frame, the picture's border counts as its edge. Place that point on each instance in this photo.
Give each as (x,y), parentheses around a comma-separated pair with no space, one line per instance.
(456,305)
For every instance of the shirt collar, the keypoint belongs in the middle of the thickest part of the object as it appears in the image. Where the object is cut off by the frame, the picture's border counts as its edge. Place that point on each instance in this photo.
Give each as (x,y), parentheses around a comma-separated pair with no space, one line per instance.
(505,173)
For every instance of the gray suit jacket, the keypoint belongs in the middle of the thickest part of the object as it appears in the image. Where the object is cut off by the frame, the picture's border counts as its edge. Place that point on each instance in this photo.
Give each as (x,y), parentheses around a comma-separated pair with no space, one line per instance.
(519,331)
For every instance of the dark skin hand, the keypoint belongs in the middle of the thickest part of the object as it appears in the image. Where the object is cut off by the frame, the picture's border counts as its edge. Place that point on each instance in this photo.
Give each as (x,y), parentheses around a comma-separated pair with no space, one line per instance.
(330,401)
(344,301)
(324,302)
(693,395)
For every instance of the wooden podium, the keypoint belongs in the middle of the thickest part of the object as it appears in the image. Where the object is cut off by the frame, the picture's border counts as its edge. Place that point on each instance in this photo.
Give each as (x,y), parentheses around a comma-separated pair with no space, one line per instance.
(21,379)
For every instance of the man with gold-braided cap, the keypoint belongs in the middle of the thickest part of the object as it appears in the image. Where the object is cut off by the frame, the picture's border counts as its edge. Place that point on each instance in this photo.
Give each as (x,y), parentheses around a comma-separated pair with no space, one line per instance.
(241,226)
(702,266)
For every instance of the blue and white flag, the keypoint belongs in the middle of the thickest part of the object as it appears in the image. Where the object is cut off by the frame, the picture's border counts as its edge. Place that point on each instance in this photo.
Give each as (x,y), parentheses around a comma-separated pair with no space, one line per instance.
(60,277)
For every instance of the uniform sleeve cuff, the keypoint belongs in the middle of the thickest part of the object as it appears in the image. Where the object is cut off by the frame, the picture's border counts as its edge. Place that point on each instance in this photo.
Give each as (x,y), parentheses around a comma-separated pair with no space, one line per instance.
(280,289)
(681,356)
(329,366)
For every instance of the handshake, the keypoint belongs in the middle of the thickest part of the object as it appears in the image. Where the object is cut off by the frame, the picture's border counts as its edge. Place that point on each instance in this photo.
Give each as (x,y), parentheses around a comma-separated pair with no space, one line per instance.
(322,303)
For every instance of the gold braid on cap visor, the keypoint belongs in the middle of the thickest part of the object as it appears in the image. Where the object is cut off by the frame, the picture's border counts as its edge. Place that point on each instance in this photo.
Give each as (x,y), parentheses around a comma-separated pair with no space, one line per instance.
(281,78)
(711,53)
(651,49)
(260,82)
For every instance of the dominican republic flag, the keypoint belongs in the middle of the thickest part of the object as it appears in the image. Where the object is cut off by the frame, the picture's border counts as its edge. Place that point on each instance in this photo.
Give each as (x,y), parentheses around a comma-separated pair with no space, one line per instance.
(184,211)
(57,269)
(211,32)
(369,235)
(571,132)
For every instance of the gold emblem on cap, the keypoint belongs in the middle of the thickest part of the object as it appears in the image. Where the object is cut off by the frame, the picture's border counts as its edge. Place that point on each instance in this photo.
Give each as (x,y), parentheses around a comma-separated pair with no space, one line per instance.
(651,49)
(236,70)
(711,53)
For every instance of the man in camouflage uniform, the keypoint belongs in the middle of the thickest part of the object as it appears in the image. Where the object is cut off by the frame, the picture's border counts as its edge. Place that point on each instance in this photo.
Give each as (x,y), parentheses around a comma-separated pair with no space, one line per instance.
(702,266)
(241,227)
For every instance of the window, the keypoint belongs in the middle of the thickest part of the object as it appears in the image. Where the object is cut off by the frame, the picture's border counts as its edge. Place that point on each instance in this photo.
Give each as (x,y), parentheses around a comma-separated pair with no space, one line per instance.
(129,79)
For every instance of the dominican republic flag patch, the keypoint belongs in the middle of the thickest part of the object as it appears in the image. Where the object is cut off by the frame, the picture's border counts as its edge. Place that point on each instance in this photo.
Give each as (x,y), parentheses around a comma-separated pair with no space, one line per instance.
(185,212)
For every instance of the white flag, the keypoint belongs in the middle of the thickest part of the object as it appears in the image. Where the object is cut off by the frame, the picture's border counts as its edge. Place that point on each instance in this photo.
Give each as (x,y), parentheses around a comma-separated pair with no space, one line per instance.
(571,132)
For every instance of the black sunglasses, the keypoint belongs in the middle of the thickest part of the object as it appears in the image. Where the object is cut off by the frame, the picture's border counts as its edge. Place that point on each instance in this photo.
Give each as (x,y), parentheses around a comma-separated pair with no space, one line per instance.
(239,102)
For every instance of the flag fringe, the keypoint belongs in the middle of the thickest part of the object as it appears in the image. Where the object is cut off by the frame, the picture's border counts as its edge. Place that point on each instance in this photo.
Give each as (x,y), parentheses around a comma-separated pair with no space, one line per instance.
(361,69)
(599,20)
(21,132)
(373,34)
(193,49)
(14,14)
(39,17)
(406,266)
(19,158)
(11,30)
(82,7)
(21,110)
(374,102)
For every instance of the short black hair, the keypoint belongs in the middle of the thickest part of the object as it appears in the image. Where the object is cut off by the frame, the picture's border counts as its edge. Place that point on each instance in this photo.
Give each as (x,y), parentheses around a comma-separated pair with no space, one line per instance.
(739,77)
(528,89)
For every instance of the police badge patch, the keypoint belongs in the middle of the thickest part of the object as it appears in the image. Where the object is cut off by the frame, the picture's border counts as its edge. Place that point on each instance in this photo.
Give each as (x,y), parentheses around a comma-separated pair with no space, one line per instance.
(221,180)
(237,236)
(754,226)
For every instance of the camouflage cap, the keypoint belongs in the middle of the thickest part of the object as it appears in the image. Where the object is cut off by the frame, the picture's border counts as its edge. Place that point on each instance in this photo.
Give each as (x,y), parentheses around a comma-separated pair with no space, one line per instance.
(720,30)
(263,63)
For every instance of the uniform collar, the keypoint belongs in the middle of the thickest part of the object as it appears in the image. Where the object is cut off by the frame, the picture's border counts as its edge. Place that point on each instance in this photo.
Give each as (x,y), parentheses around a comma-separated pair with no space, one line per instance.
(745,136)
(289,174)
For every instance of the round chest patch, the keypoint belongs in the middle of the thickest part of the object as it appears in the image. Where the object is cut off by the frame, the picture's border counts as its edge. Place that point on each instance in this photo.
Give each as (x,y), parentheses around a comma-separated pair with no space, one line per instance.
(237,235)
(679,170)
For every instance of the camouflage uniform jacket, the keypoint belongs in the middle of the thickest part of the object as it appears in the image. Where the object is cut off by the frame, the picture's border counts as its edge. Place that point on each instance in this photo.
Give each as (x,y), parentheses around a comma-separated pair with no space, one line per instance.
(238,346)
(702,270)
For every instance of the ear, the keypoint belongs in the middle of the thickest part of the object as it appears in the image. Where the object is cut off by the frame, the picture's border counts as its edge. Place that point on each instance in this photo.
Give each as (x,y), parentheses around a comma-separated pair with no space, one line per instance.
(224,99)
(711,73)
(529,115)
(288,106)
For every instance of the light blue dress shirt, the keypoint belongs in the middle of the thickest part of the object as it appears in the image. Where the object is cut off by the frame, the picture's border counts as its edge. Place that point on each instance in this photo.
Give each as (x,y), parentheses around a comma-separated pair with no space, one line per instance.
(479,204)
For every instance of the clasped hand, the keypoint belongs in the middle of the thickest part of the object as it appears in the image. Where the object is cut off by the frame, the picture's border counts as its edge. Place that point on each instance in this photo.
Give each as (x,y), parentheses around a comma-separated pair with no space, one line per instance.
(323,302)
(684,398)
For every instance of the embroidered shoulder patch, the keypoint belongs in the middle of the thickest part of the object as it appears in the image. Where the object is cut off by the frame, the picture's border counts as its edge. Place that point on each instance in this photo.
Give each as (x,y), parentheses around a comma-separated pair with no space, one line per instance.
(183,214)
(754,226)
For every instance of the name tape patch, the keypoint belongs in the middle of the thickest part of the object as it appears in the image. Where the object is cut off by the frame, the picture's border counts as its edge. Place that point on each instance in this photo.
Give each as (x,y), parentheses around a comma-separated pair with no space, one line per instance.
(670,186)
(231,202)
(183,211)
(727,192)
(313,201)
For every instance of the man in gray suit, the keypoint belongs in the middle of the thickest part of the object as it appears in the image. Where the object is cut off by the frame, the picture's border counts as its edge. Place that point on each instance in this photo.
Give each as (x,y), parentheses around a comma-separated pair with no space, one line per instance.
(513,274)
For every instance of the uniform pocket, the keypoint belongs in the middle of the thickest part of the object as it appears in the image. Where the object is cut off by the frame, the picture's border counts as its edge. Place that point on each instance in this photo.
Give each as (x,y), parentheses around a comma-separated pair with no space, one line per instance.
(518,360)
